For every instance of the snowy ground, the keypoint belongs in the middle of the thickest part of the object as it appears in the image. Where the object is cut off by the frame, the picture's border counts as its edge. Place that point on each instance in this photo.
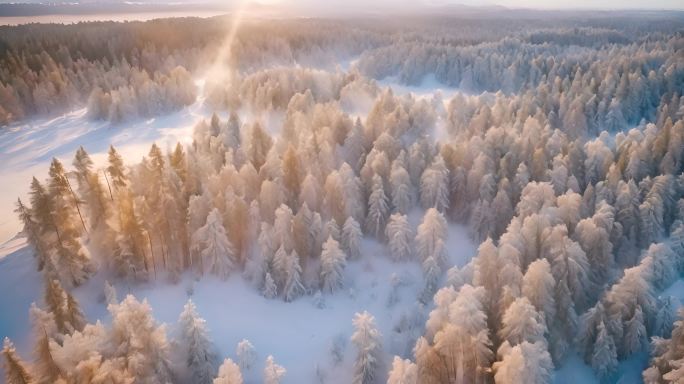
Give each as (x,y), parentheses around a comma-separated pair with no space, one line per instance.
(299,334)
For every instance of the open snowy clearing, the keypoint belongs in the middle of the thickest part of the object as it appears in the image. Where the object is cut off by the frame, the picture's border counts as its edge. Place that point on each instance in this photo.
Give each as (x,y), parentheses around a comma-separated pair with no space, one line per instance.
(300,334)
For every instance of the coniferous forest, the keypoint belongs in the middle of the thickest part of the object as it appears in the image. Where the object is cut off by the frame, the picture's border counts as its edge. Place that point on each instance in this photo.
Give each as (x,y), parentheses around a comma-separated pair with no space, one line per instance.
(482,197)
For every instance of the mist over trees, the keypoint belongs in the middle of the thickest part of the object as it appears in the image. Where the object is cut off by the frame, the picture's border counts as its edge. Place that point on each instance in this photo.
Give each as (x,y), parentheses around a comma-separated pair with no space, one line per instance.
(563,155)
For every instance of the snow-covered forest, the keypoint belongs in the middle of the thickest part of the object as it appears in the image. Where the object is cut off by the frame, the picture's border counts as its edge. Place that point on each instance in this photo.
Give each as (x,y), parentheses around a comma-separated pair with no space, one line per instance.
(484,200)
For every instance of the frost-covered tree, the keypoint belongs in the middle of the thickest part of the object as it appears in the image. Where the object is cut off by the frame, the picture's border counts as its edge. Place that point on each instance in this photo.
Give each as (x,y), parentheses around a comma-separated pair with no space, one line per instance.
(461,348)
(667,356)
(521,322)
(269,290)
(45,369)
(538,287)
(138,337)
(665,317)
(228,373)
(431,231)
(635,337)
(351,238)
(273,373)
(378,209)
(258,146)
(596,244)
(92,193)
(200,358)
(333,262)
(216,253)
(434,186)
(403,372)
(32,231)
(16,371)
(292,175)
(66,311)
(367,340)
(399,237)
(246,355)
(292,285)
(401,188)
(56,210)
(524,363)
(604,358)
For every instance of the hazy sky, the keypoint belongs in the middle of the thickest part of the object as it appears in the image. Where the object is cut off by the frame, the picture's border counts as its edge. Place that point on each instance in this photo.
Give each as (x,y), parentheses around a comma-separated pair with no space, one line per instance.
(605,4)
(541,4)
(409,4)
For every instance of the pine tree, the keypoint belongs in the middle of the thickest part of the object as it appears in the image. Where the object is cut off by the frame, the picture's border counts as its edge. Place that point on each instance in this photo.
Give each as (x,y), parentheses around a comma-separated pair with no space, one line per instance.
(273,373)
(351,238)
(401,191)
(522,322)
(431,274)
(665,317)
(75,317)
(55,299)
(200,357)
(58,207)
(331,229)
(635,338)
(280,266)
(270,289)
(333,262)
(378,210)
(367,340)
(667,356)
(129,257)
(434,186)
(16,371)
(110,293)
(116,168)
(232,132)
(538,287)
(292,175)
(293,287)
(91,191)
(178,161)
(399,236)
(604,357)
(260,143)
(246,355)
(66,203)
(217,255)
(32,231)
(431,231)
(137,334)
(229,373)
(524,363)
(310,192)
(403,372)
(44,328)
